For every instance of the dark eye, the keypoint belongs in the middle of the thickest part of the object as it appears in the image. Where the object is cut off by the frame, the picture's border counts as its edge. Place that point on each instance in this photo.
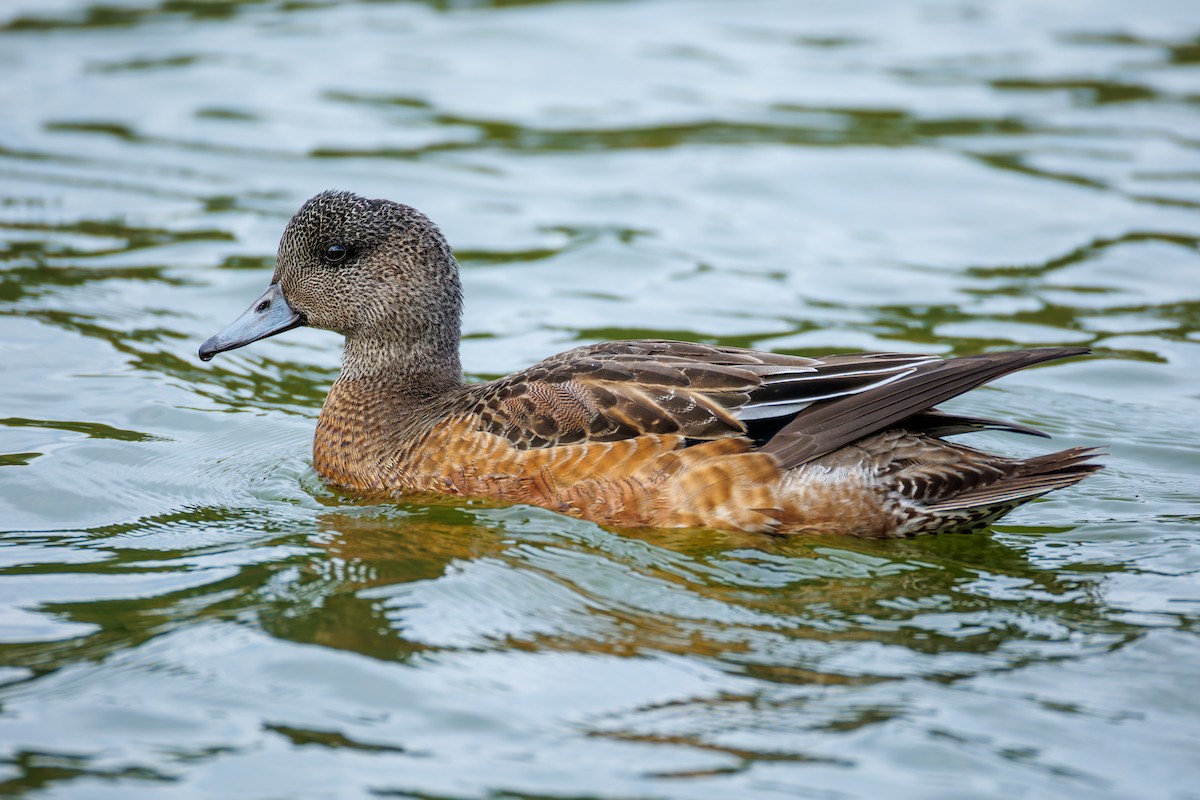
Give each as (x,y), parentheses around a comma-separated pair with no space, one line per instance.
(336,253)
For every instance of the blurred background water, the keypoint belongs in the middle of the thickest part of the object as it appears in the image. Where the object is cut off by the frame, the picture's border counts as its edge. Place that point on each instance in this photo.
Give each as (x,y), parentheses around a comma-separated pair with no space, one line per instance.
(186,611)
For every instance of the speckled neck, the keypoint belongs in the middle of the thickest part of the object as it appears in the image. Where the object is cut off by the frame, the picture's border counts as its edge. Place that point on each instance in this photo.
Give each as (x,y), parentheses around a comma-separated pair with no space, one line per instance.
(427,368)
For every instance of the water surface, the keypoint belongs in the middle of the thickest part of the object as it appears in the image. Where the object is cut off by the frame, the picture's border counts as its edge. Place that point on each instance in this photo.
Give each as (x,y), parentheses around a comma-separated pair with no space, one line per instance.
(186,611)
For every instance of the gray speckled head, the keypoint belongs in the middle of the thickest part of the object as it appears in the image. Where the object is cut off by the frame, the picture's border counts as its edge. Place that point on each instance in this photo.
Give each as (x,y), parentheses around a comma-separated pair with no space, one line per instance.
(354,265)
(381,274)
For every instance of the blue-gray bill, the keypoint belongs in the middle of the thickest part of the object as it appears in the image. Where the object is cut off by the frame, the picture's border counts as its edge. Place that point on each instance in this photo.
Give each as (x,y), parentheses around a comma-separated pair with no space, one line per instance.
(268,315)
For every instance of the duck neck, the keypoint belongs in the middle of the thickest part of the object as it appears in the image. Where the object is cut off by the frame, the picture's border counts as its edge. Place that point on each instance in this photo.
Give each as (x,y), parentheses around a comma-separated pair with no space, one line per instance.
(416,372)
(387,395)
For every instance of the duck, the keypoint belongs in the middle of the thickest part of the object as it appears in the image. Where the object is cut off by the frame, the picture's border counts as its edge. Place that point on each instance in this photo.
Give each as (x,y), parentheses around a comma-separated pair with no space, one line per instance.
(646,433)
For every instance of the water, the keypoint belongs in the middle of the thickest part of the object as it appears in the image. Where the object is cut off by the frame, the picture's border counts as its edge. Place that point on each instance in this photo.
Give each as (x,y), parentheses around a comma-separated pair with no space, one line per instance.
(188,612)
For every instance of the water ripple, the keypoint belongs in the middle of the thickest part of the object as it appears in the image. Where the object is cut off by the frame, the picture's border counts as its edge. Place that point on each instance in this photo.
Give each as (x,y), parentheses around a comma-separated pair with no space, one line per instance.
(185,607)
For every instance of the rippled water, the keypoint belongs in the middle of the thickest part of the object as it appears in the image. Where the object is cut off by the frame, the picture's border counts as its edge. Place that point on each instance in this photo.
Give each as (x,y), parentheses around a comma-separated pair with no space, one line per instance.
(186,610)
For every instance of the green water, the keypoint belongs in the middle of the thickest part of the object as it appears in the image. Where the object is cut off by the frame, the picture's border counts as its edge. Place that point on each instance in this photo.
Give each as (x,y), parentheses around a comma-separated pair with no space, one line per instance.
(185,611)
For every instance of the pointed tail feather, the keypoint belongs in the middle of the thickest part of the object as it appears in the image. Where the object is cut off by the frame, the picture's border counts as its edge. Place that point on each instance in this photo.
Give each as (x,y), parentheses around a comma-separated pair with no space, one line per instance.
(940,424)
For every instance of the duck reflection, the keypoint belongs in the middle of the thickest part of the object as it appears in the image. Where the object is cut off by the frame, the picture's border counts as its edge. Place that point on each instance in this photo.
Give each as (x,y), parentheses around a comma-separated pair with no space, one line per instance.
(393,582)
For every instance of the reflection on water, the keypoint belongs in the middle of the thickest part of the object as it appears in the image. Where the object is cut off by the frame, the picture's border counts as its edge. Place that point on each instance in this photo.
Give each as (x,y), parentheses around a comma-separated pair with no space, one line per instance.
(185,608)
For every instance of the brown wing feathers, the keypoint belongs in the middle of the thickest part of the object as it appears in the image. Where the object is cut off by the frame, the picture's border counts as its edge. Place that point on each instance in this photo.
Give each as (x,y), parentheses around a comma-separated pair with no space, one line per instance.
(825,427)
(617,390)
(804,408)
(595,394)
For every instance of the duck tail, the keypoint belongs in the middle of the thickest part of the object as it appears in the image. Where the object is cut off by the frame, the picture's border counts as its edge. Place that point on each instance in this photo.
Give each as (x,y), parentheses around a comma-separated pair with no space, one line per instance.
(1033,478)
(978,508)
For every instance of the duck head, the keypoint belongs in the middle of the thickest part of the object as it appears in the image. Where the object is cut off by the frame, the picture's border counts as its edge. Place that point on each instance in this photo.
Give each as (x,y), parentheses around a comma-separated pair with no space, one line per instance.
(377,272)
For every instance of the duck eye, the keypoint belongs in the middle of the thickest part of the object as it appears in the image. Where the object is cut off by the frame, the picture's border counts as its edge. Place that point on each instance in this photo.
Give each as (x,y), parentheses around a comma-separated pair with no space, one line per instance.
(336,253)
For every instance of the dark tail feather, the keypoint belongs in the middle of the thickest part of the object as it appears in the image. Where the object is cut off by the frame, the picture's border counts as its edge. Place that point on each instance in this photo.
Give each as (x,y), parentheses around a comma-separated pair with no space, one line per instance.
(824,427)
(1036,477)
(940,424)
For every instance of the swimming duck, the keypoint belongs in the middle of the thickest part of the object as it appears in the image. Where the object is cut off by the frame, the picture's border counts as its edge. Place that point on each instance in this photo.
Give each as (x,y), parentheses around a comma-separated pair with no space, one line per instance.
(628,433)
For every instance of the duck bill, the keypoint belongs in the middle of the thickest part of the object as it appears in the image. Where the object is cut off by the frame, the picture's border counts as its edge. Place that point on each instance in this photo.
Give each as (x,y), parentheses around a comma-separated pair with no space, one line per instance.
(268,315)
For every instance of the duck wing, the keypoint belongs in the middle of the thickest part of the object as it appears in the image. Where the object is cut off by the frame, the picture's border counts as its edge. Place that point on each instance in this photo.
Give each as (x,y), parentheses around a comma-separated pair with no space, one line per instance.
(622,390)
(826,426)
